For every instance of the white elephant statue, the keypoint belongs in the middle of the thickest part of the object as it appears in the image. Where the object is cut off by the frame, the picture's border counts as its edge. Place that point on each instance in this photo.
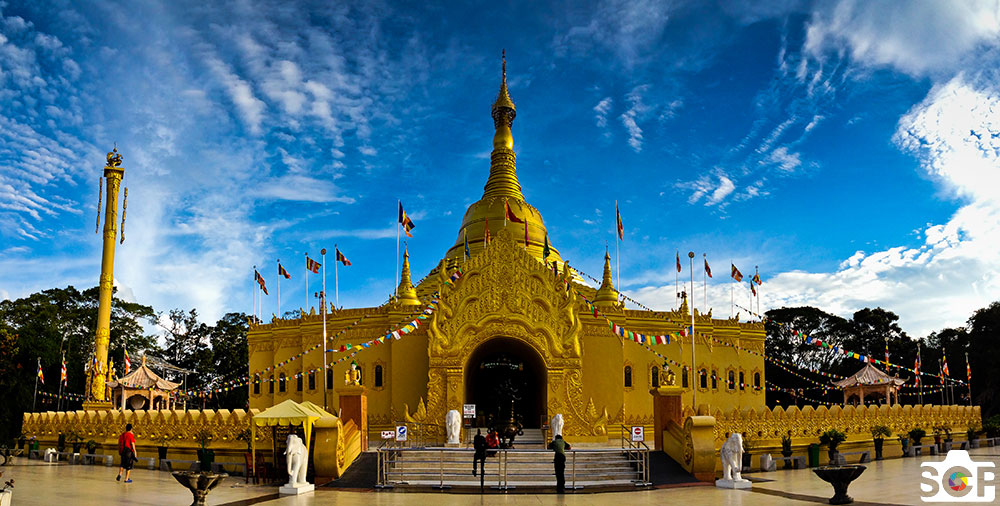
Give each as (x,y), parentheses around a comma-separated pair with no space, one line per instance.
(557,425)
(453,422)
(732,463)
(296,458)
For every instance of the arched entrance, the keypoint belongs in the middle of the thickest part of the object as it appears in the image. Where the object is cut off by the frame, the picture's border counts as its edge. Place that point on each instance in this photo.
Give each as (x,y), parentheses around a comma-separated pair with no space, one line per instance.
(505,376)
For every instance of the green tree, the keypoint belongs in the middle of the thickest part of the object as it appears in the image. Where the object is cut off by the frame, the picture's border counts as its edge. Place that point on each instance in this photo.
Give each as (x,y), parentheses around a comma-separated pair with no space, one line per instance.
(229,360)
(984,358)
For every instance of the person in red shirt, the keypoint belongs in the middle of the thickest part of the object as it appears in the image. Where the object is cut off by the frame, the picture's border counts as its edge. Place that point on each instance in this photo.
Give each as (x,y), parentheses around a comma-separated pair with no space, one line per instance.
(492,442)
(126,449)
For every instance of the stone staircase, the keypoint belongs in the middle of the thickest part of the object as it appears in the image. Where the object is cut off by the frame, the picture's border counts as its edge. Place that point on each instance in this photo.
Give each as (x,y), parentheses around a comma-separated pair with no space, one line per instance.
(520,468)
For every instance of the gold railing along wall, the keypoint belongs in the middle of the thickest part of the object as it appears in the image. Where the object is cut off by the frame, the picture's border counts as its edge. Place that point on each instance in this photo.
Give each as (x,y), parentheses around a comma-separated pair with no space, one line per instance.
(769,425)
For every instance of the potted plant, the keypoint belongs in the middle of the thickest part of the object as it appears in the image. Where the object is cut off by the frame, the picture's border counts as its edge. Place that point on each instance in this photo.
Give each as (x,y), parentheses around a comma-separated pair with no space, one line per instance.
(972,433)
(162,442)
(786,448)
(205,456)
(832,439)
(92,447)
(749,443)
(76,440)
(879,433)
(916,435)
(904,444)
(947,437)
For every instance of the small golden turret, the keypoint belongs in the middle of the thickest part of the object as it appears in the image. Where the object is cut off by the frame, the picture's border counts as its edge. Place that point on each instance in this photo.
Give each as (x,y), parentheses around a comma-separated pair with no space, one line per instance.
(503,173)
(606,295)
(406,294)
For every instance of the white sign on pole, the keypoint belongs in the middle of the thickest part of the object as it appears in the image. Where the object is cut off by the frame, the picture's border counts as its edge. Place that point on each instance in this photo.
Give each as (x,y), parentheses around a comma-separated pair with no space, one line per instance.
(400,433)
(388,434)
(468,410)
(637,433)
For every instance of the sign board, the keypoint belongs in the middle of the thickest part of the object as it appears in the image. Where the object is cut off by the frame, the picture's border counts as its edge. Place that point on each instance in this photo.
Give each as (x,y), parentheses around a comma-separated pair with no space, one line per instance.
(388,434)
(400,433)
(637,433)
(468,410)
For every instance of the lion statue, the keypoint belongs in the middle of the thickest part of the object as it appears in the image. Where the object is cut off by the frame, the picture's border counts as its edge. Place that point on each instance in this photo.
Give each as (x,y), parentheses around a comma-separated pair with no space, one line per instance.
(295,455)
(732,457)
(557,425)
(453,424)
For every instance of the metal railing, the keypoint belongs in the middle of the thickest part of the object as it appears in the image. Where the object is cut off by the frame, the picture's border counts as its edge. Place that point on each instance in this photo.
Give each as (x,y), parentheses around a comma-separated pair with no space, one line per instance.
(396,466)
(637,452)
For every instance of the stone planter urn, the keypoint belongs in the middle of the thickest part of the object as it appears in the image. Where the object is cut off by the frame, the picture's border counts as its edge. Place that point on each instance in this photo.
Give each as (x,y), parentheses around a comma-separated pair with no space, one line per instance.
(840,477)
(200,484)
(878,448)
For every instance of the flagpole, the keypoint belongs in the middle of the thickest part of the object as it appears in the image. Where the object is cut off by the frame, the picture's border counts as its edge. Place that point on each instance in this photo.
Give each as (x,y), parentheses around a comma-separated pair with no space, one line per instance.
(62,363)
(756,275)
(618,264)
(968,374)
(694,387)
(395,269)
(307,284)
(34,399)
(256,310)
(920,381)
(704,276)
(279,290)
(732,296)
(941,373)
(677,283)
(322,301)
(336,278)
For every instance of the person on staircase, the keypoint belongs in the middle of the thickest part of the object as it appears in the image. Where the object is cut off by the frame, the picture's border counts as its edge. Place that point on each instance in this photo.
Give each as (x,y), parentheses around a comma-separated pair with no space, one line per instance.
(492,442)
(479,444)
(559,445)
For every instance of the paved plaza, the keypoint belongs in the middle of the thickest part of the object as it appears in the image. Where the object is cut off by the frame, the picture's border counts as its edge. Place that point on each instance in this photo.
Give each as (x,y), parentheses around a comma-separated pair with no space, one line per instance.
(894,481)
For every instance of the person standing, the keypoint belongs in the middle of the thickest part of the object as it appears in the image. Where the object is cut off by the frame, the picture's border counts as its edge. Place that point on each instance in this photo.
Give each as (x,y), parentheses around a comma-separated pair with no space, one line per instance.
(559,445)
(126,450)
(479,444)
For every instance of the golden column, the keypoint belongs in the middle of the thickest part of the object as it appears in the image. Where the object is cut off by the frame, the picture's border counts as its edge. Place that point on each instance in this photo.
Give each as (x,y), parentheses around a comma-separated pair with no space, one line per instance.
(113,173)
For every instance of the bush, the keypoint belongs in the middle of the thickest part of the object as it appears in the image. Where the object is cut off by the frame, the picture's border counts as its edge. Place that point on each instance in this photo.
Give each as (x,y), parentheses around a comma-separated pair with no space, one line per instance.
(832,438)
(973,432)
(917,434)
(880,432)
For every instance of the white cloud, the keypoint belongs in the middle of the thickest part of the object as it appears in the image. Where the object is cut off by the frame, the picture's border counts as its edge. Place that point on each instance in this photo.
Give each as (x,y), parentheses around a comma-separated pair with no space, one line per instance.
(636,111)
(916,37)
(601,112)
(714,189)
(784,160)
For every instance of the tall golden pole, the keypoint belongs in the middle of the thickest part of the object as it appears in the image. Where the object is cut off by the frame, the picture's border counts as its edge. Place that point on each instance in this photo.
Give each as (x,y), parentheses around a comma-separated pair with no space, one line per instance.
(114,173)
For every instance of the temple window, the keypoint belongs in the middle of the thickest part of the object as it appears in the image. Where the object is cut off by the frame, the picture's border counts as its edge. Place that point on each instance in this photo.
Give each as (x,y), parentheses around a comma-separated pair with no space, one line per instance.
(628,376)
(684,379)
(256,384)
(715,379)
(281,383)
(270,385)
(742,381)
(378,376)
(298,383)
(756,380)
(654,377)
(731,384)
(312,380)
(703,378)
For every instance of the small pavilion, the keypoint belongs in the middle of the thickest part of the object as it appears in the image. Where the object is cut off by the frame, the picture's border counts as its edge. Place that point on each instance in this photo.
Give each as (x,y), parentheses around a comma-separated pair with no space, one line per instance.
(142,389)
(869,380)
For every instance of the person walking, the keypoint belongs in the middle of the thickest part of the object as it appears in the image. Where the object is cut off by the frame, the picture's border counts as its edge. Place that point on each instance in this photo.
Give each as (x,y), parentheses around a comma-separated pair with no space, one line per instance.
(126,450)
(479,444)
(559,445)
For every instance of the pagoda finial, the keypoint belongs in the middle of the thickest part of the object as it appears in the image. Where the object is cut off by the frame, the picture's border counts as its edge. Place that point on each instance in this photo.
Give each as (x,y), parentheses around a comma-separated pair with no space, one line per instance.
(503,173)
(407,295)
(606,294)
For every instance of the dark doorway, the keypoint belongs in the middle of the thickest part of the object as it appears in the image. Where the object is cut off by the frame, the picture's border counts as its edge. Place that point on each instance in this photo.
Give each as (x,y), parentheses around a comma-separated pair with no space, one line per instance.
(506,377)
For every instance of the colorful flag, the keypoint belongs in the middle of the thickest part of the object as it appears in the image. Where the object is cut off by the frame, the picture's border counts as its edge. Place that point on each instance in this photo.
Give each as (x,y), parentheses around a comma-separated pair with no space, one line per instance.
(341,258)
(708,270)
(260,281)
(968,368)
(62,374)
(128,363)
(916,368)
(283,272)
(756,278)
(736,274)
(510,214)
(753,289)
(618,218)
(545,248)
(405,221)
(41,375)
(312,265)
(678,261)
(944,358)
(467,255)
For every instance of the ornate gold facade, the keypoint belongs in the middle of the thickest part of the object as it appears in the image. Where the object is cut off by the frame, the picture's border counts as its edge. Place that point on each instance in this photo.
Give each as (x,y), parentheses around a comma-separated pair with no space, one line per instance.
(508,298)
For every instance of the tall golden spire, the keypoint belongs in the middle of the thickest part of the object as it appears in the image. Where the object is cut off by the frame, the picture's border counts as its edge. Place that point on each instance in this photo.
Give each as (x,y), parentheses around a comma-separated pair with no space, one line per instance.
(606,295)
(503,173)
(406,294)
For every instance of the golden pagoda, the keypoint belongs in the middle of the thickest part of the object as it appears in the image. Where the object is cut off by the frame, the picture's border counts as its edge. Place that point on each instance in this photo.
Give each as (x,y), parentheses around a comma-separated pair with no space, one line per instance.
(506,323)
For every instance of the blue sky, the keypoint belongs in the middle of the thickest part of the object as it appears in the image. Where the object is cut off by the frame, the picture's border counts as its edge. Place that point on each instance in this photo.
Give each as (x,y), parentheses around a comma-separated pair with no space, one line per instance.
(851,150)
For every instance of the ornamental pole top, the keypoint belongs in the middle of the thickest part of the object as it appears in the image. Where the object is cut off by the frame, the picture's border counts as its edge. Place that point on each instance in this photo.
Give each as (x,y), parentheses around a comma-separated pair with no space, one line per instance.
(114,158)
